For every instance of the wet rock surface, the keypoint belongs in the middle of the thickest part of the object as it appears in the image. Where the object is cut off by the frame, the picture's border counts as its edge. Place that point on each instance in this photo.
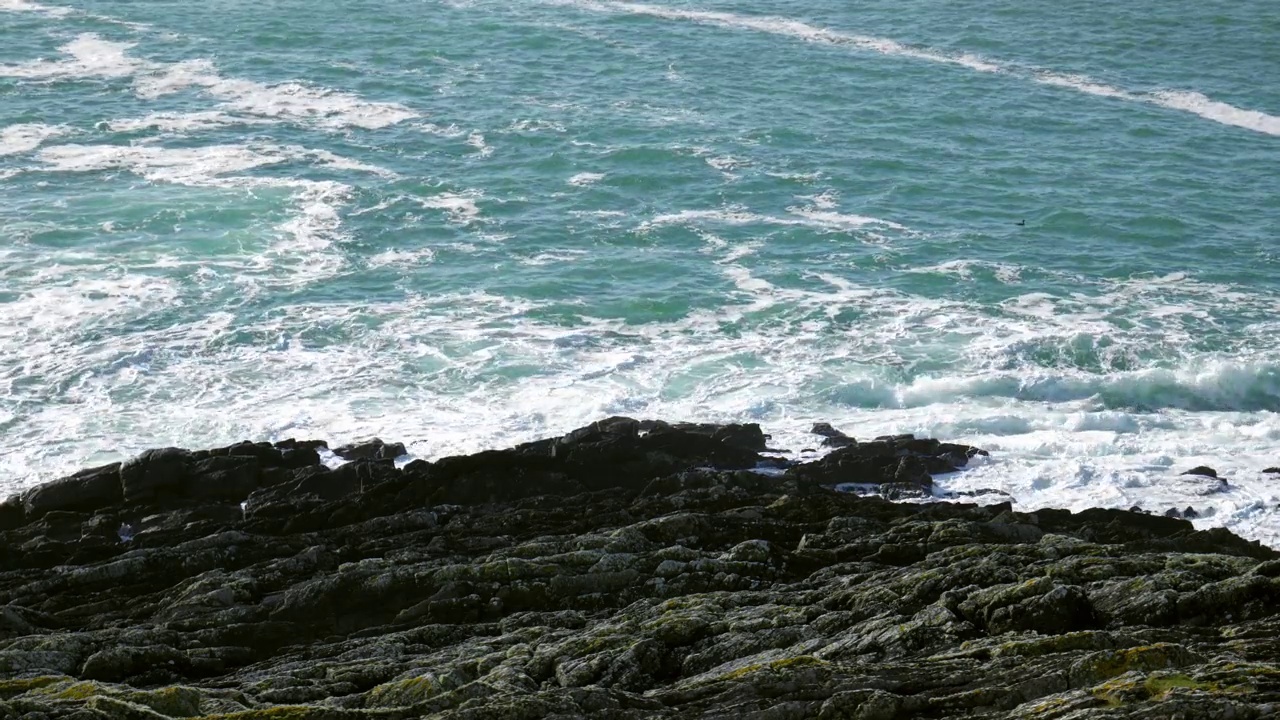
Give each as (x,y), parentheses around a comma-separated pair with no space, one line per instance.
(625,570)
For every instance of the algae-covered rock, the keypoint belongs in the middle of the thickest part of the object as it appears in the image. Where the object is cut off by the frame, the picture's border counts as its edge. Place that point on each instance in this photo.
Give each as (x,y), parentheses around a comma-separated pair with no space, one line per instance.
(628,569)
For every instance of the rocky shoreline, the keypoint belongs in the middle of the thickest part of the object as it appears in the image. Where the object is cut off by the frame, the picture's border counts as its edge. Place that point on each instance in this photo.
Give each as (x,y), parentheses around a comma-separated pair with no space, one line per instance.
(625,570)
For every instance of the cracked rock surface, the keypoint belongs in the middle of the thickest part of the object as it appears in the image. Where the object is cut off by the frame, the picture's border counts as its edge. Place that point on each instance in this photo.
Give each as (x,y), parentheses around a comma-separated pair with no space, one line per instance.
(625,570)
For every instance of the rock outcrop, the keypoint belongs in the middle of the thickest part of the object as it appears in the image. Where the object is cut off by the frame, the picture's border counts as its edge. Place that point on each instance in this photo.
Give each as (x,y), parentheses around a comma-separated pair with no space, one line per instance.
(625,570)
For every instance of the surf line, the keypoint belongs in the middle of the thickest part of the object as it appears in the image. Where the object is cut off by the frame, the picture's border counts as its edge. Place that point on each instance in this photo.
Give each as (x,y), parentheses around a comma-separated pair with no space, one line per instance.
(1182,101)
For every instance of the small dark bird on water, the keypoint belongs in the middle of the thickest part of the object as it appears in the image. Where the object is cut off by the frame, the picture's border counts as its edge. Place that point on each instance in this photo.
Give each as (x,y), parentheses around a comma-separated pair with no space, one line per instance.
(1022,223)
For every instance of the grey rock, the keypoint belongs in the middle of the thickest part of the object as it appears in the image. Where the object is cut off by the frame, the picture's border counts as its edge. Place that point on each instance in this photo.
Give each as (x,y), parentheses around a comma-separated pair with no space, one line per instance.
(86,490)
(628,569)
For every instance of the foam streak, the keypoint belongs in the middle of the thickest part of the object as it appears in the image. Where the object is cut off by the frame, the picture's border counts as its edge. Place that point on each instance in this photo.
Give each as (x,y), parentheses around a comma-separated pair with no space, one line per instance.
(1185,101)
(90,55)
(31,7)
(24,138)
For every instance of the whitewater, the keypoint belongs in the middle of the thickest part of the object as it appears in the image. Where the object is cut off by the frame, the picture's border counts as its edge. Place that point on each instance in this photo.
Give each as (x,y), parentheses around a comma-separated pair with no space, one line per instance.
(1048,230)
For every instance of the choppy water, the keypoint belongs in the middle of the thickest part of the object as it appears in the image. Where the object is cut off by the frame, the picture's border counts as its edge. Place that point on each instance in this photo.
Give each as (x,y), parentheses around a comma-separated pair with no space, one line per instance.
(466,224)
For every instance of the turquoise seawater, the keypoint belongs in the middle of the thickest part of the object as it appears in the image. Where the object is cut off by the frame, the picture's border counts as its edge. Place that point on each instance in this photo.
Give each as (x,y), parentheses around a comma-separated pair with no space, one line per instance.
(466,224)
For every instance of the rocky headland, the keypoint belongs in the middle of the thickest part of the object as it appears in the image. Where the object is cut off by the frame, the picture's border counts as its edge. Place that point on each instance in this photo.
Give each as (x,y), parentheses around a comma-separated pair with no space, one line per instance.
(625,570)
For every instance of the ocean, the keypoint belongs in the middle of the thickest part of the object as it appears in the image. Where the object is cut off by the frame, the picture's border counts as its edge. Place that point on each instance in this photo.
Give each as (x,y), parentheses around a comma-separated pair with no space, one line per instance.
(1051,230)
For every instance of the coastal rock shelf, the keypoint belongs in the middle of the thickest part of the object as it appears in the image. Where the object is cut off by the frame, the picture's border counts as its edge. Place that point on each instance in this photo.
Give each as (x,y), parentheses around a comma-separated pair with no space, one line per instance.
(625,570)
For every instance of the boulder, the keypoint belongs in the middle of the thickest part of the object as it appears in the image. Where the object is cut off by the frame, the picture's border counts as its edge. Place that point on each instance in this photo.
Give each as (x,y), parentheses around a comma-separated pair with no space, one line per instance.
(374,449)
(86,490)
(13,513)
(155,474)
(118,663)
(890,459)
(615,453)
(230,478)
(747,436)
(832,437)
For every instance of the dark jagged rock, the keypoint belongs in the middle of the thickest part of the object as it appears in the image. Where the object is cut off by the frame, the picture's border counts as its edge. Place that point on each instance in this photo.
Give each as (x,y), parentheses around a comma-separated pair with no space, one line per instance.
(1202,470)
(373,449)
(832,437)
(900,460)
(12,513)
(625,570)
(748,436)
(86,490)
(1275,470)
(154,473)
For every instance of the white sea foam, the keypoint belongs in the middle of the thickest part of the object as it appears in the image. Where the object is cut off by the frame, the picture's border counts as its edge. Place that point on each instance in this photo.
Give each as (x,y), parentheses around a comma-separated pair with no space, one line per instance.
(1060,434)
(729,216)
(724,163)
(585,179)
(184,166)
(740,251)
(460,207)
(553,257)
(90,56)
(339,162)
(1082,84)
(759,294)
(57,12)
(160,79)
(403,258)
(789,27)
(823,219)
(32,7)
(295,101)
(825,200)
(290,101)
(207,165)
(449,131)
(1007,273)
(533,126)
(1194,102)
(182,123)
(16,139)
(317,221)
(476,140)
(66,300)
(840,221)
(1186,101)
(305,241)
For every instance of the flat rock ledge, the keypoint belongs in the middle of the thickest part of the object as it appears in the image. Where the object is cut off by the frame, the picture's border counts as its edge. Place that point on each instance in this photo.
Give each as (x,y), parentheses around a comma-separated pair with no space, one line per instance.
(625,570)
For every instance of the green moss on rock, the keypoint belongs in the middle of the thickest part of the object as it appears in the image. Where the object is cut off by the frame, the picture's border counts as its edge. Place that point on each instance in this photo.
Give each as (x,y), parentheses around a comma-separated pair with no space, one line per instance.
(174,701)
(118,709)
(1144,658)
(402,693)
(17,686)
(798,661)
(1067,642)
(1133,687)
(283,712)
